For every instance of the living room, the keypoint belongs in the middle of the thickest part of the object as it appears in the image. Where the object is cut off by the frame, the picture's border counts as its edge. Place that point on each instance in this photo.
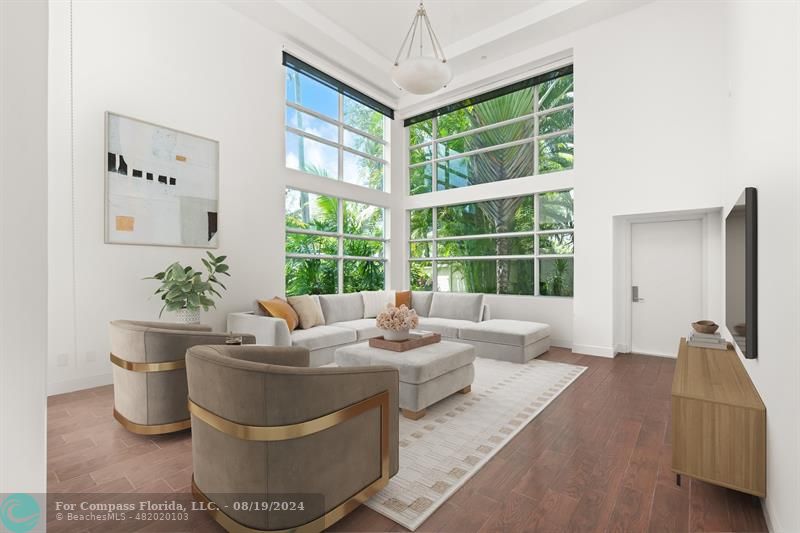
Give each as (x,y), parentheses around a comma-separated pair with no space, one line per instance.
(330,176)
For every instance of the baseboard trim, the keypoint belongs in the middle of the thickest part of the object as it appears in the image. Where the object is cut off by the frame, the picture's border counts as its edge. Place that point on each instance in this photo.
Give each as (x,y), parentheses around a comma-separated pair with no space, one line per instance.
(771,525)
(561,343)
(72,385)
(598,351)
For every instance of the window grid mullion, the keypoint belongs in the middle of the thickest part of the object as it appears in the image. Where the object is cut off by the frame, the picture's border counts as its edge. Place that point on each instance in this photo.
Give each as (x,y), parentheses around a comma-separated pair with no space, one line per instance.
(336,257)
(339,202)
(434,153)
(536,268)
(500,124)
(435,250)
(536,131)
(534,139)
(335,122)
(340,228)
(341,137)
(333,144)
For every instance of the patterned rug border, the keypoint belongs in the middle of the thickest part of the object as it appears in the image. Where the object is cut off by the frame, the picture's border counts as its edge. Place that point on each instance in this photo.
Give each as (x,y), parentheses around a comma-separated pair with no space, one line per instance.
(480,464)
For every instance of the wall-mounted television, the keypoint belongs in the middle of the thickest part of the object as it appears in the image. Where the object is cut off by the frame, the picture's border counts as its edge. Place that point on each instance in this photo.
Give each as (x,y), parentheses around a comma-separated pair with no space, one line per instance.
(741,273)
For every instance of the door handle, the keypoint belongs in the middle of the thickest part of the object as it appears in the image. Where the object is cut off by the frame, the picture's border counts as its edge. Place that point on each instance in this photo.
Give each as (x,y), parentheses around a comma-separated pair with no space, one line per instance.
(635,294)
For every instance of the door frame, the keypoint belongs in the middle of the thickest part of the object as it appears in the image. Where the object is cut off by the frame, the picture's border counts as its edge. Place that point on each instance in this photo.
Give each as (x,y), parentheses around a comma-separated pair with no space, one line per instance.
(711,294)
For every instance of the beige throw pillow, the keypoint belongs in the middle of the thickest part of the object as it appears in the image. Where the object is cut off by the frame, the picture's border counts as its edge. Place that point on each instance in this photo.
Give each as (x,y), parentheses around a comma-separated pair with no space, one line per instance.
(308,310)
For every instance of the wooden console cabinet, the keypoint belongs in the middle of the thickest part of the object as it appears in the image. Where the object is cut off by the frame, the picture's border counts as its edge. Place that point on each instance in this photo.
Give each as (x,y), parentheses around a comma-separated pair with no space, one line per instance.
(719,423)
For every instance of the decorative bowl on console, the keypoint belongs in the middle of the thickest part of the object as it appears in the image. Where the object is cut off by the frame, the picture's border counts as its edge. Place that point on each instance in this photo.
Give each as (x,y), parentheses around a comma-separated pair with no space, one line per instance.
(705,326)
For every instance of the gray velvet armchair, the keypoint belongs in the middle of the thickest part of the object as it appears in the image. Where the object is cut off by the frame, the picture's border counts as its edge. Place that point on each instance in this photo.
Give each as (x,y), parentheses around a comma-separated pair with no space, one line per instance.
(149,369)
(265,426)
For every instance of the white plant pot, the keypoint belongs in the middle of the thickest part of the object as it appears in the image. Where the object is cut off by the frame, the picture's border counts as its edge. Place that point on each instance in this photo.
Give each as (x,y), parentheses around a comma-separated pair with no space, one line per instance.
(391,335)
(188,316)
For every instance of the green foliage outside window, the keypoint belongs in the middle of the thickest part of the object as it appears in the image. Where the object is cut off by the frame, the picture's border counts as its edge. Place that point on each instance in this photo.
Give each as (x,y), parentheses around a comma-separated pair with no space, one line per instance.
(313,212)
(456,223)
(540,155)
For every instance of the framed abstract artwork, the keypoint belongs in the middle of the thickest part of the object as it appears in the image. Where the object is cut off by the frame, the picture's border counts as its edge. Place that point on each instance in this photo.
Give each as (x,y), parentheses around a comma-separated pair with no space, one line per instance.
(162,185)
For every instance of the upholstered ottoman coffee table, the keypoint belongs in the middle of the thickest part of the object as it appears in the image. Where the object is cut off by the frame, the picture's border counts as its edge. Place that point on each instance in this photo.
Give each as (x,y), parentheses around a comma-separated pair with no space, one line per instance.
(427,374)
(517,341)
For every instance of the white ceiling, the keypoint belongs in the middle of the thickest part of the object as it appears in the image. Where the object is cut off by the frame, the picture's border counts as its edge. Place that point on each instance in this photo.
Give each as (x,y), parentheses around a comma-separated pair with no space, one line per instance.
(359,39)
(382,24)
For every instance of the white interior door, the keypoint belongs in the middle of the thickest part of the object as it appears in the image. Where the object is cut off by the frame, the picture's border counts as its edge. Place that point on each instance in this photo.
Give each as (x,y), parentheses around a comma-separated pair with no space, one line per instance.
(667,284)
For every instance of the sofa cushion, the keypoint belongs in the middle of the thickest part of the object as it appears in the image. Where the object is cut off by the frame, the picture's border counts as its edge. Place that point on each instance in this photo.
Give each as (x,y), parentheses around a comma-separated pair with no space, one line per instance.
(403,298)
(280,308)
(509,332)
(414,366)
(308,310)
(457,306)
(365,328)
(421,302)
(446,327)
(322,337)
(341,307)
(376,301)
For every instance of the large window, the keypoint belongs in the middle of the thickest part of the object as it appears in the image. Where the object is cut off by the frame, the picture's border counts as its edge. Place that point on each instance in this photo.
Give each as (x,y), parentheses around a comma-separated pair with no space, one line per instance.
(333,245)
(333,135)
(520,245)
(522,133)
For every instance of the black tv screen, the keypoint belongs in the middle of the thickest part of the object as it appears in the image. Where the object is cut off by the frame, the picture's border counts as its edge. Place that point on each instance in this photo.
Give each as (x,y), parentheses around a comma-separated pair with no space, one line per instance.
(741,276)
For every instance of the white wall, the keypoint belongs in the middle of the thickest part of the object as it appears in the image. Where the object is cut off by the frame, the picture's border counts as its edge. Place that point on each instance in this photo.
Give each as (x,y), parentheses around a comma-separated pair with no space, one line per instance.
(198,67)
(764,61)
(649,85)
(23,245)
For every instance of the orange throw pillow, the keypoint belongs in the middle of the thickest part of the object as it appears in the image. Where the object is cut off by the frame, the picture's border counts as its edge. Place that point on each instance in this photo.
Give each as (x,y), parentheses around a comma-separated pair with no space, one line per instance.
(402,298)
(280,309)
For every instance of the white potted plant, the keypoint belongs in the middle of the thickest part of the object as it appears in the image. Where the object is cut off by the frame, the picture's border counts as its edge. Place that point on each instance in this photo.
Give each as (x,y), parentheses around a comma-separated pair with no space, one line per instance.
(396,322)
(184,291)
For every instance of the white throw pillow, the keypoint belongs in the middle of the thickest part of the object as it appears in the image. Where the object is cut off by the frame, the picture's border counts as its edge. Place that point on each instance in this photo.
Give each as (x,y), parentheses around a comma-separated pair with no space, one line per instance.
(376,301)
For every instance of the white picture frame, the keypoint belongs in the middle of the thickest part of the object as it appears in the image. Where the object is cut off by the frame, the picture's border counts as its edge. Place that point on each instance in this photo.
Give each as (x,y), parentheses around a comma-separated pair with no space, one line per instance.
(161,185)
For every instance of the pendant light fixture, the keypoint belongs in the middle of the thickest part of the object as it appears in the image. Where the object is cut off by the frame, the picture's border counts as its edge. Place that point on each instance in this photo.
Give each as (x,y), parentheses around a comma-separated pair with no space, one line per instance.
(418,73)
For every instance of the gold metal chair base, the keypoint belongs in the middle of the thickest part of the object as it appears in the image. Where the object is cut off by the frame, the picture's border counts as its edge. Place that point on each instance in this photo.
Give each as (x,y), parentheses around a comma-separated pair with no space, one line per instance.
(293,431)
(315,526)
(155,429)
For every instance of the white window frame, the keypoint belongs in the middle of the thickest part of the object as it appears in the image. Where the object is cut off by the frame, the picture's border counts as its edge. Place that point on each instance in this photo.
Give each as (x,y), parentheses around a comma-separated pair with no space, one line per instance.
(341,236)
(434,258)
(339,145)
(533,139)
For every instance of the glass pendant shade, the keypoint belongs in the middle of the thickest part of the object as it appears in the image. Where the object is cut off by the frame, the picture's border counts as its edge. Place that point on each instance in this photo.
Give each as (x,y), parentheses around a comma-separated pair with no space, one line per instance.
(421,74)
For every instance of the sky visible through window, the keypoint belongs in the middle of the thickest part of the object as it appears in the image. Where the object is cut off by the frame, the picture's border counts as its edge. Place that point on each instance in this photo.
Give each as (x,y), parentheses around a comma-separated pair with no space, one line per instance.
(316,96)
(333,149)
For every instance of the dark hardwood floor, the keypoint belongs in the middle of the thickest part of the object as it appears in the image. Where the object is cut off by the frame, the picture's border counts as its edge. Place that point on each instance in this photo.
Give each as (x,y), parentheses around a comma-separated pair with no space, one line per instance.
(597,459)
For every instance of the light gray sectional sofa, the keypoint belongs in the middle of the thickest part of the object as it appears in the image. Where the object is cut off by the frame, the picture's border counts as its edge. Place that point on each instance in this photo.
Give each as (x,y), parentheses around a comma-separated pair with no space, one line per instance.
(457,317)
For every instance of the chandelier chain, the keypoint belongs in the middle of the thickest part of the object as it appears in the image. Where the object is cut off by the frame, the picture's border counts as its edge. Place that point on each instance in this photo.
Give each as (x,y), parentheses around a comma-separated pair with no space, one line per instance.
(420,22)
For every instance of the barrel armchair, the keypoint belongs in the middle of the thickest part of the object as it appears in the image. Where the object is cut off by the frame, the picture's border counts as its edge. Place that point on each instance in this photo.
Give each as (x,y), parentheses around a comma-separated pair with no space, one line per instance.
(266,427)
(149,369)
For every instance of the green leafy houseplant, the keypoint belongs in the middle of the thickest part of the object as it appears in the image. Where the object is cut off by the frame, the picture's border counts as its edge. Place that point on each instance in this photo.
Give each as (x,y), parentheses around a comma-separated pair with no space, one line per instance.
(184,287)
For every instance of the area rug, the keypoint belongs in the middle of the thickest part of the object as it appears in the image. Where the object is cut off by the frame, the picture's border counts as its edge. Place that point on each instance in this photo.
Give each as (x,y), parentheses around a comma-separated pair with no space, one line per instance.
(457,436)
